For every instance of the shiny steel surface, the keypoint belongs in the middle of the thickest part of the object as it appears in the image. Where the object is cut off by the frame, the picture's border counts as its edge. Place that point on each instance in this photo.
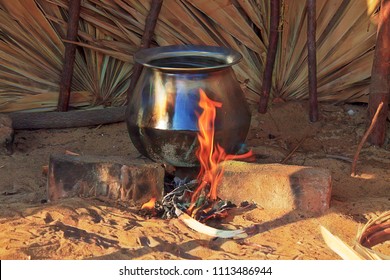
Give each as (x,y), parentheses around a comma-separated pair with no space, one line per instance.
(163,110)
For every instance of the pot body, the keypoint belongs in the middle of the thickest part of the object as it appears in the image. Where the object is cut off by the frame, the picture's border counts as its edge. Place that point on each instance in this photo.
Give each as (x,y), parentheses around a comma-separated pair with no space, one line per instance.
(162,113)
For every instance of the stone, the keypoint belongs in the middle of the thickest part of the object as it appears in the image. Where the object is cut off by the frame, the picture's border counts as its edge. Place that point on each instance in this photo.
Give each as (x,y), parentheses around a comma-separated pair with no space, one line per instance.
(277,186)
(117,178)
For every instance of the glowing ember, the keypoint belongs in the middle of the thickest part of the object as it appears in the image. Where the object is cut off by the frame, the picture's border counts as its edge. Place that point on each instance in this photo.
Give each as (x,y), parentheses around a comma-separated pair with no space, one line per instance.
(150,204)
(209,153)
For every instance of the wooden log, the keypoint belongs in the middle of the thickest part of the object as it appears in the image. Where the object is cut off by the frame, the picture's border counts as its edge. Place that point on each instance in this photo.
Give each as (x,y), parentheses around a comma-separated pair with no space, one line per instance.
(77,118)
(150,25)
(70,54)
(312,59)
(380,77)
(271,54)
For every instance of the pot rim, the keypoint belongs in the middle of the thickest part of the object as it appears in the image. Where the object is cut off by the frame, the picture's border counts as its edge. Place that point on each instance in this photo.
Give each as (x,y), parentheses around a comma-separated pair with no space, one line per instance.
(226,56)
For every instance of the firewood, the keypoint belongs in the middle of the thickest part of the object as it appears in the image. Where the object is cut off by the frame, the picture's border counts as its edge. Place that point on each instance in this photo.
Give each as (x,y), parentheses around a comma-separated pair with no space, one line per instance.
(77,118)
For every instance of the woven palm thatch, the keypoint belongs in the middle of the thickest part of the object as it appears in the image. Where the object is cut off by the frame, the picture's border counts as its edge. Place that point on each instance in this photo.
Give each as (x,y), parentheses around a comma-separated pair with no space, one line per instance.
(32,47)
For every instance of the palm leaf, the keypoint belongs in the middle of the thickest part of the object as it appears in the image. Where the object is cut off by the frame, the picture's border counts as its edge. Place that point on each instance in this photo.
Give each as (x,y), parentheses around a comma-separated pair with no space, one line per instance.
(32,36)
(345,41)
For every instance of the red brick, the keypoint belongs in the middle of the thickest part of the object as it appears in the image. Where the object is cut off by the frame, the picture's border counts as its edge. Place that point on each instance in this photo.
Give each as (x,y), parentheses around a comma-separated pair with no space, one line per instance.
(277,186)
(113,177)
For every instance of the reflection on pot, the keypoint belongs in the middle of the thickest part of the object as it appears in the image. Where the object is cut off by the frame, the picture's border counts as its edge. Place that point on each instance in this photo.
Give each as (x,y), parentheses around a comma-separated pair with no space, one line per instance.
(162,114)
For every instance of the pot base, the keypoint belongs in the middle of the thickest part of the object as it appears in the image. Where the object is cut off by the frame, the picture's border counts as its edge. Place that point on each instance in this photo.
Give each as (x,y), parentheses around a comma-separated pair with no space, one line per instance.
(178,147)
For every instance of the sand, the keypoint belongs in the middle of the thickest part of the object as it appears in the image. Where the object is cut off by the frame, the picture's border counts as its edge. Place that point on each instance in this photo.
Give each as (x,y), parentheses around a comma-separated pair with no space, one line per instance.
(79,228)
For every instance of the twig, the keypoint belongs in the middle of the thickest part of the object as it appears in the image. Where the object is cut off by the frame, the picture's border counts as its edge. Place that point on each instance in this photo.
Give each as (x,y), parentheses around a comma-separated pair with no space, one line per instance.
(271,54)
(69,58)
(150,25)
(293,150)
(70,153)
(365,136)
(312,59)
(347,159)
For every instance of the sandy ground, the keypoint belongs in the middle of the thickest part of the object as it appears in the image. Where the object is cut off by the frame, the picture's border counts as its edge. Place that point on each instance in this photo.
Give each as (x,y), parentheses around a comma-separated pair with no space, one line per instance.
(31,228)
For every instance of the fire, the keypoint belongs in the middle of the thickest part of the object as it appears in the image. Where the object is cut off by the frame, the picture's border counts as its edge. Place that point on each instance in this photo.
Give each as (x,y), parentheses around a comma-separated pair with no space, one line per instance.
(209,154)
(150,204)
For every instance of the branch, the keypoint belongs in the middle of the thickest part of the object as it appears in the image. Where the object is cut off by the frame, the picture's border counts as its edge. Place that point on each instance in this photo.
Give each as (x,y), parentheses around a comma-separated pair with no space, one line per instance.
(312,59)
(271,54)
(150,25)
(365,136)
(70,54)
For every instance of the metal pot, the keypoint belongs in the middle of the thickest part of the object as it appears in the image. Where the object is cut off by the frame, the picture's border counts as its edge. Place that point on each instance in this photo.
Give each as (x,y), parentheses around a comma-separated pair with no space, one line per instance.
(162,115)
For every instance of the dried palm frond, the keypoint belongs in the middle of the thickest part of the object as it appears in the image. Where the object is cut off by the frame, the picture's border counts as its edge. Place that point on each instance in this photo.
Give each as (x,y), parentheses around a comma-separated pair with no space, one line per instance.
(32,48)
(223,23)
(345,41)
(109,33)
(31,51)
(32,36)
(338,246)
(374,232)
(29,56)
(105,51)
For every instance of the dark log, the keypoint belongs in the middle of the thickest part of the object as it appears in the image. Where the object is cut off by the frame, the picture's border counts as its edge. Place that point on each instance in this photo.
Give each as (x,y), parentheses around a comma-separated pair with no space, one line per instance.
(150,25)
(271,54)
(70,54)
(380,81)
(312,59)
(78,118)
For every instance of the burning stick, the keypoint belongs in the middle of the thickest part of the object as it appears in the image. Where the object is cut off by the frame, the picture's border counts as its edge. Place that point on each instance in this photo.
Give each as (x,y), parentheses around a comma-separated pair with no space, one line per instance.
(176,199)
(150,206)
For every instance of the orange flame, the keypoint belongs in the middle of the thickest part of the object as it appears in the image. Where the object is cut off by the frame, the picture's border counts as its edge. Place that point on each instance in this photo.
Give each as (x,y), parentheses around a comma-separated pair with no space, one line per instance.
(209,153)
(150,204)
